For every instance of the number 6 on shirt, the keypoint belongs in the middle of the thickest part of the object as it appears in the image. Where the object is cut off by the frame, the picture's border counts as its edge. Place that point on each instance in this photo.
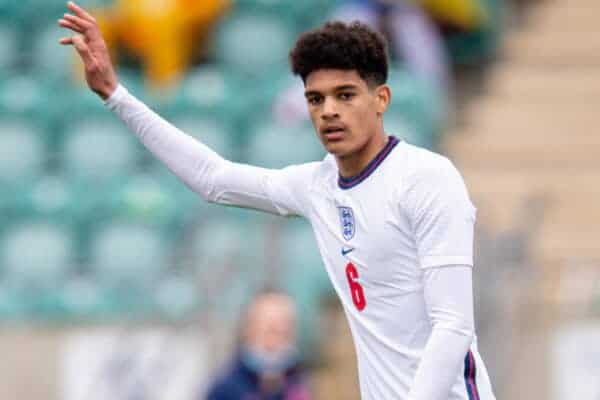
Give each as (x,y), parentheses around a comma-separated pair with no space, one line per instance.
(358,295)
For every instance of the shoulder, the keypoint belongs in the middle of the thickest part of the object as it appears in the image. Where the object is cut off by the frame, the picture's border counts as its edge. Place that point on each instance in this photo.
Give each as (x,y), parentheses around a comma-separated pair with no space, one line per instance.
(429,176)
(419,161)
(412,167)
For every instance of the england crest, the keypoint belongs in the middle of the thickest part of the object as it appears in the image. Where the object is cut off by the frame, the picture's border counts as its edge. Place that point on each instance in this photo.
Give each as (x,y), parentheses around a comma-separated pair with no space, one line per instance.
(347,222)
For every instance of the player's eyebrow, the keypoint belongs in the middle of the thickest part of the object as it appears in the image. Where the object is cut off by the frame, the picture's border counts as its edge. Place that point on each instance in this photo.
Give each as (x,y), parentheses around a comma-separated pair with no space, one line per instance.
(310,93)
(335,89)
(345,87)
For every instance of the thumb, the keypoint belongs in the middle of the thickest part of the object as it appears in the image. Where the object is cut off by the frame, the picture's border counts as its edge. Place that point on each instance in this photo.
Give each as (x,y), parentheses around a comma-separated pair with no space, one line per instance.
(82,48)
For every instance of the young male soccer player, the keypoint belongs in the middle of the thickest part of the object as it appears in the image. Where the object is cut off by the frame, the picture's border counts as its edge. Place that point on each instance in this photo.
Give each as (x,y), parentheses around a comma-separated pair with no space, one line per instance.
(394,223)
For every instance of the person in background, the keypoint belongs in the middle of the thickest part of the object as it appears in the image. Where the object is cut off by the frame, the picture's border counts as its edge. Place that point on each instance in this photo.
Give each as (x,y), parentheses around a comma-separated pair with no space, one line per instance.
(266,363)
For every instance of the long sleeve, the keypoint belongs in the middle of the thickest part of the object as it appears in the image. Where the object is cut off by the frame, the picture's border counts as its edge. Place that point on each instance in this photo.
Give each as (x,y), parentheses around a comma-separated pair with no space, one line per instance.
(449,301)
(442,217)
(204,171)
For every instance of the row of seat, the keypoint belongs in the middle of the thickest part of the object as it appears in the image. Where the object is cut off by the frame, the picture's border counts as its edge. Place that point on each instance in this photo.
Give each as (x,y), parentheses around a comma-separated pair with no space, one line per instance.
(254,38)
(81,137)
(92,227)
(214,256)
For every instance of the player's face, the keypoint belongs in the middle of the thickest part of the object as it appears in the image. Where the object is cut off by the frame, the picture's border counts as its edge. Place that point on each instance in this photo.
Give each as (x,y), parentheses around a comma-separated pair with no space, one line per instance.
(345,111)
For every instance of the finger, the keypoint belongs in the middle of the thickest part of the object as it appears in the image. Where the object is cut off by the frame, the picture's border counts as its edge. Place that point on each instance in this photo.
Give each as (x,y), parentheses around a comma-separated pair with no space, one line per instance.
(66,24)
(83,49)
(66,41)
(80,12)
(77,21)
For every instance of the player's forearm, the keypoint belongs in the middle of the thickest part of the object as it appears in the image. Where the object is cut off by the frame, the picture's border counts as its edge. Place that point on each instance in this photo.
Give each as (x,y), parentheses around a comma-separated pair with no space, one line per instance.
(191,161)
(200,168)
(440,365)
(448,294)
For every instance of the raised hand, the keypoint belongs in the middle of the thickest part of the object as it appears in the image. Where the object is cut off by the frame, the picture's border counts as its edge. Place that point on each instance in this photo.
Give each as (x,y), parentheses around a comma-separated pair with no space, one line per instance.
(89,43)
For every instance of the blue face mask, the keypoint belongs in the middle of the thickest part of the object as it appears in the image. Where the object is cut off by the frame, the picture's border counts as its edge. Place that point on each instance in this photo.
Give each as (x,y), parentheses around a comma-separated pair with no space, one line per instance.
(262,362)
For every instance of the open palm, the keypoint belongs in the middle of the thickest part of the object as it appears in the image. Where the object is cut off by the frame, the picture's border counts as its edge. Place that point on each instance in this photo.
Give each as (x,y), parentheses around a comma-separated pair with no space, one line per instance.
(89,43)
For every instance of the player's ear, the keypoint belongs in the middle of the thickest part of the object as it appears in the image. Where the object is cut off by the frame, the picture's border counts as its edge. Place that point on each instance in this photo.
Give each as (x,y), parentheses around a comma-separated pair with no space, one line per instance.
(383,96)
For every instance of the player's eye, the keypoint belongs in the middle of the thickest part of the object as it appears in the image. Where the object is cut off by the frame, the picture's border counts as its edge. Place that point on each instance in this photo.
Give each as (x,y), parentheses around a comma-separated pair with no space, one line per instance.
(346,96)
(314,100)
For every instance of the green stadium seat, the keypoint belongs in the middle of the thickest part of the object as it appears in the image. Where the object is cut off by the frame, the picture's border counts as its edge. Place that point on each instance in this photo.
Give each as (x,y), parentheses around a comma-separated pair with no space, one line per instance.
(275,145)
(303,267)
(37,254)
(124,254)
(22,151)
(297,14)
(143,199)
(40,12)
(49,59)
(416,109)
(8,9)
(85,298)
(99,149)
(177,296)
(81,297)
(205,88)
(15,303)
(224,240)
(133,80)
(22,95)
(253,44)
(209,94)
(190,206)
(397,124)
(50,197)
(59,114)
(126,260)
(304,277)
(479,46)
(56,199)
(227,255)
(9,51)
(210,131)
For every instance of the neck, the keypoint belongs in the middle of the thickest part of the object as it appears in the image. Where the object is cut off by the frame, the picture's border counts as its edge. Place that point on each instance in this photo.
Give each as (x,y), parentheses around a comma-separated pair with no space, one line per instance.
(352,164)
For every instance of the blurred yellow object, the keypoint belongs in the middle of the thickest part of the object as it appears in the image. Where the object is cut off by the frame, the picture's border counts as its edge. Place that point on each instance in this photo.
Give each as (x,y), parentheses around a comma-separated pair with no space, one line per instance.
(164,34)
(466,14)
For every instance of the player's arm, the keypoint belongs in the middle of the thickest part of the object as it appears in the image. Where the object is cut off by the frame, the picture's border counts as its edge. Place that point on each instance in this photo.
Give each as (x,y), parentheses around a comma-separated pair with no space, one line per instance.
(443,217)
(200,168)
(449,300)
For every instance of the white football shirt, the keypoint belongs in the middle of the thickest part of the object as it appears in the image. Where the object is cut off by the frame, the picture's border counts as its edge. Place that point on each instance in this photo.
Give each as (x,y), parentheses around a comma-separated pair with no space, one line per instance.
(407,211)
(379,234)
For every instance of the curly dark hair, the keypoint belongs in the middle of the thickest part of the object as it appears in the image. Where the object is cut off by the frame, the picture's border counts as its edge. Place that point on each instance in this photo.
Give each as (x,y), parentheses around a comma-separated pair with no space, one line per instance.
(337,45)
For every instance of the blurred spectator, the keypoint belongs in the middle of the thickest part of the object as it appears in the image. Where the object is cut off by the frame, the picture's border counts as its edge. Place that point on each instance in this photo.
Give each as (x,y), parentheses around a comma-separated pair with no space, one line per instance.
(164,35)
(266,364)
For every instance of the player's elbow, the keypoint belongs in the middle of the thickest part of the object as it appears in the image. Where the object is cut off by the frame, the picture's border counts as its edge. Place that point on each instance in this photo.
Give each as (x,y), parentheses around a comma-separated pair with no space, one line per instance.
(208,178)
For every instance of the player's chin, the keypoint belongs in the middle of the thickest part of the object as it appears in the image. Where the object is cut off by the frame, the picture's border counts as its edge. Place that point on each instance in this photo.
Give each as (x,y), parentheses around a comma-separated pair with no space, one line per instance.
(334,145)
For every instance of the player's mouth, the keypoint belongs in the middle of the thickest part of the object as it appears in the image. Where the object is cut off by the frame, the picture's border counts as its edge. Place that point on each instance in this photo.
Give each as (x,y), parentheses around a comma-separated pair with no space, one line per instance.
(333,132)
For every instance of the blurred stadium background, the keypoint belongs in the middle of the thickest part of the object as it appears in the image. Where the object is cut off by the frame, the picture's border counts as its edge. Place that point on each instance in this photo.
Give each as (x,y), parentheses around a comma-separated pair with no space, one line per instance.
(117,282)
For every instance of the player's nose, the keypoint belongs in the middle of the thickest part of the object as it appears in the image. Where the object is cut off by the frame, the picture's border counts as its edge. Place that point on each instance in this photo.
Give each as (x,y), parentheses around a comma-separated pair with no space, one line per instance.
(329,109)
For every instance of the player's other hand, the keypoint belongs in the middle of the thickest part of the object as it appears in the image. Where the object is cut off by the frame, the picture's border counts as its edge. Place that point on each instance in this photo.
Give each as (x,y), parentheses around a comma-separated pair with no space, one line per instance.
(99,72)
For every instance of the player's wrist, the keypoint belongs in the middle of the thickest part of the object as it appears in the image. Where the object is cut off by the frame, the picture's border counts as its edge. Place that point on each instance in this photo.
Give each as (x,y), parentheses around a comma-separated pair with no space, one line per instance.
(107,90)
